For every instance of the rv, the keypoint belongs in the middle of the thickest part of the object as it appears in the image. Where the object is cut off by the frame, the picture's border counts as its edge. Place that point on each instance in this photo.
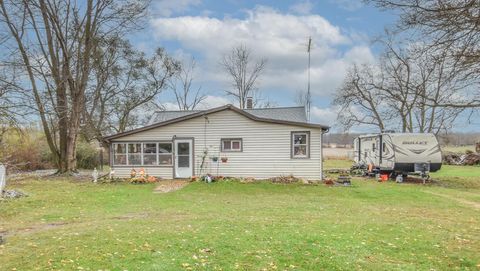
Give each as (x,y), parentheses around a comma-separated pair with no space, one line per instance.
(398,153)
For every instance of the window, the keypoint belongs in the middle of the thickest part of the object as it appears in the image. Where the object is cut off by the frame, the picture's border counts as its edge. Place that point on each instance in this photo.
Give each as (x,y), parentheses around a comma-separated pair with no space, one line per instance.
(300,145)
(134,153)
(146,154)
(164,154)
(120,154)
(149,153)
(384,147)
(231,144)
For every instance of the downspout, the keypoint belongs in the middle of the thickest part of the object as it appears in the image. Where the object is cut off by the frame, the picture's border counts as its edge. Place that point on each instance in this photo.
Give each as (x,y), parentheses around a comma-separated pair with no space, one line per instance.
(324,131)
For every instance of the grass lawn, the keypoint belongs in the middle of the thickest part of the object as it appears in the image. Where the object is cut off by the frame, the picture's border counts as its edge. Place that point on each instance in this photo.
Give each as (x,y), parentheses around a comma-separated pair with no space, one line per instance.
(337,164)
(71,225)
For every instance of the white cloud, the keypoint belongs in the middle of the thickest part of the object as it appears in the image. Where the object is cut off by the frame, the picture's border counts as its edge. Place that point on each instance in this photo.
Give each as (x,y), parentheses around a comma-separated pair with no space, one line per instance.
(304,7)
(210,101)
(166,8)
(279,37)
(213,101)
(326,116)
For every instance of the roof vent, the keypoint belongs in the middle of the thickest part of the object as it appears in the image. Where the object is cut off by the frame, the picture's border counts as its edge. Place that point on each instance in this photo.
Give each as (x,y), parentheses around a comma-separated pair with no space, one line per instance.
(249,102)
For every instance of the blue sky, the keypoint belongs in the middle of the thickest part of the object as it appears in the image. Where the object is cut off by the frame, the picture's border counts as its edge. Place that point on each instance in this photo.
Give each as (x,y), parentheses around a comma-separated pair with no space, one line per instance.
(341,30)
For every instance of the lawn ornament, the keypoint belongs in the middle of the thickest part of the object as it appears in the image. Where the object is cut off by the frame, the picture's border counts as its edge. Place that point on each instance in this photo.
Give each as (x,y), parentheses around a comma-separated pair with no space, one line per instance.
(95,175)
(111,174)
(3,178)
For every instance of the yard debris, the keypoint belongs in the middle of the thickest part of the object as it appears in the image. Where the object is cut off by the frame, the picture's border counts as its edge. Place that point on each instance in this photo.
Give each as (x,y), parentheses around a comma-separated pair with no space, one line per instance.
(467,159)
(343,180)
(170,186)
(329,181)
(285,179)
(337,171)
(209,178)
(247,180)
(12,194)
(416,180)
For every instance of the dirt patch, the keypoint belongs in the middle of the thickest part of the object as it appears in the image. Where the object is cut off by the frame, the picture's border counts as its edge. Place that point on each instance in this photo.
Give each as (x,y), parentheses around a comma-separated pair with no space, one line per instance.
(33,229)
(131,216)
(170,186)
(473,204)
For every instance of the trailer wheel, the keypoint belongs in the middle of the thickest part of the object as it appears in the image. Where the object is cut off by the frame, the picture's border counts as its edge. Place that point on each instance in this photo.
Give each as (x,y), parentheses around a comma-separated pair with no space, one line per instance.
(393,175)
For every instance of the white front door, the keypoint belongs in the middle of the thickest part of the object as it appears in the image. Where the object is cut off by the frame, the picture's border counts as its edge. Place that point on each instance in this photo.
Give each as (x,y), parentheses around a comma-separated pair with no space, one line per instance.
(183,158)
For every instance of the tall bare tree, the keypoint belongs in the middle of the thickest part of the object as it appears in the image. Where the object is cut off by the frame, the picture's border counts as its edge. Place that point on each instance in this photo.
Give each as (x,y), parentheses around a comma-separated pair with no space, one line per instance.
(55,41)
(181,85)
(407,90)
(244,72)
(446,26)
(123,81)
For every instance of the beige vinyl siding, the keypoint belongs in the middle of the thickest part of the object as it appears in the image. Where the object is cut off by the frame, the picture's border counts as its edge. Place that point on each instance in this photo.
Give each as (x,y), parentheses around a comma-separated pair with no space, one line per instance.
(266,147)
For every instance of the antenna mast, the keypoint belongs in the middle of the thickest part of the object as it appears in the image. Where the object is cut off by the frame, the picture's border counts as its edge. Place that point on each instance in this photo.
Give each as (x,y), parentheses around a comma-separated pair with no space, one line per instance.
(308,97)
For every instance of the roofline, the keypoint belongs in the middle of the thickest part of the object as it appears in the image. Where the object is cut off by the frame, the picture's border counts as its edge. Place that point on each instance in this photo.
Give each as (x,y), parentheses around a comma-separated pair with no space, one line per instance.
(210,111)
(393,134)
(199,110)
(282,107)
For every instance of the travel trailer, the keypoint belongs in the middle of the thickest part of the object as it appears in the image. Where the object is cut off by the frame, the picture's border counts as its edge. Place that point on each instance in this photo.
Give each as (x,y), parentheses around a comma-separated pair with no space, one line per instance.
(398,153)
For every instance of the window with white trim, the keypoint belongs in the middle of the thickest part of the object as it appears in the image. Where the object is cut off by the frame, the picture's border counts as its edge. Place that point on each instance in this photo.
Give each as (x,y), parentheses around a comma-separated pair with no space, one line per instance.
(300,145)
(119,154)
(146,154)
(231,144)
(134,154)
(150,154)
(164,154)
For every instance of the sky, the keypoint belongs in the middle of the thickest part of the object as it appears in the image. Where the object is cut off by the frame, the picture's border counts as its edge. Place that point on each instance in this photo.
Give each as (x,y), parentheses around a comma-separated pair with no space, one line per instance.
(341,31)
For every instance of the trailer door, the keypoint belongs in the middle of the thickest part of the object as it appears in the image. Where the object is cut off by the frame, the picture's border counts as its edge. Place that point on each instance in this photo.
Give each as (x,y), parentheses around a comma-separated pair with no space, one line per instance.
(378,151)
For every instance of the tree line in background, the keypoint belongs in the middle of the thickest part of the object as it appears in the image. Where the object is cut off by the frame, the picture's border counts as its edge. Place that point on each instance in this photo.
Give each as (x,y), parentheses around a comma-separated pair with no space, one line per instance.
(450,139)
(69,64)
(427,75)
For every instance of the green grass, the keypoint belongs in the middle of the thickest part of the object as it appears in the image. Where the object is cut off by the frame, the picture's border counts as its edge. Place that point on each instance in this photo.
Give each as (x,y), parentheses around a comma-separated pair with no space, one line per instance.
(66,225)
(458,176)
(337,164)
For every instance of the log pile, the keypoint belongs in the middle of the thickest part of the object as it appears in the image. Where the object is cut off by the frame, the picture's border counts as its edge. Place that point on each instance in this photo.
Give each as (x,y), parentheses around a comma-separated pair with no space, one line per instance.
(466,159)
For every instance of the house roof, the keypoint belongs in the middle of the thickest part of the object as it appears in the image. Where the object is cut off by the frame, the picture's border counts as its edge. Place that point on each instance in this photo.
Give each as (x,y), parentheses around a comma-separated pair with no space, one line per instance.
(296,114)
(285,115)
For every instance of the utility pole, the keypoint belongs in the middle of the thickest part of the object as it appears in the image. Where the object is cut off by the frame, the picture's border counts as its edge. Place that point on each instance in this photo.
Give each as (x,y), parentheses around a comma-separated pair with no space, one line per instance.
(308,98)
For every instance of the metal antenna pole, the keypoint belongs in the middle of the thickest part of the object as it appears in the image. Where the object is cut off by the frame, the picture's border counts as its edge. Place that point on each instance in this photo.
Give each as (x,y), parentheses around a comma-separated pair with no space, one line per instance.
(308,98)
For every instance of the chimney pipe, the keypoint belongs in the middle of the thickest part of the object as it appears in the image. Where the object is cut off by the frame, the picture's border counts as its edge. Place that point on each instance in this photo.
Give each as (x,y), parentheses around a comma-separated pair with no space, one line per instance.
(249,102)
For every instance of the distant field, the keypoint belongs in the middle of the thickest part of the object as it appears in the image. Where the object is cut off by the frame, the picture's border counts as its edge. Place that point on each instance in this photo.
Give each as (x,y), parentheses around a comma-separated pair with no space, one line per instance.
(458,149)
(337,153)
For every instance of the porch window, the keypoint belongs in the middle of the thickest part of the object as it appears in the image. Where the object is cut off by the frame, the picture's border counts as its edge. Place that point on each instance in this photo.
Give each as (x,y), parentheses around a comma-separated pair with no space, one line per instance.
(150,154)
(146,154)
(300,145)
(134,153)
(165,154)
(120,154)
(231,144)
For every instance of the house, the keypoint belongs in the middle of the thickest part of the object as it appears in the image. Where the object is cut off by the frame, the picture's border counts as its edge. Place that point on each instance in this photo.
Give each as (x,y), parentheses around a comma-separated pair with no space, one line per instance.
(226,140)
